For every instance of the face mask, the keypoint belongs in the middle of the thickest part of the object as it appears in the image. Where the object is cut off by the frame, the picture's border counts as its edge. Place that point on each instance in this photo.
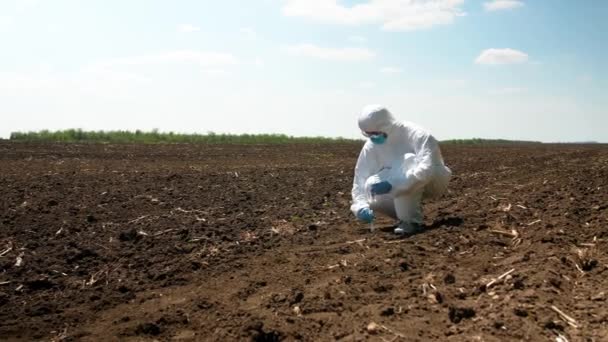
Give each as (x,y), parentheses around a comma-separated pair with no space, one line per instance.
(378,139)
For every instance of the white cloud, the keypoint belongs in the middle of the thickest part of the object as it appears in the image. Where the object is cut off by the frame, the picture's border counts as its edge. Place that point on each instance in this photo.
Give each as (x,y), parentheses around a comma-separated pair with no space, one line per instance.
(391,70)
(249,33)
(357,39)
(393,15)
(6,22)
(501,56)
(25,5)
(259,62)
(499,5)
(508,91)
(366,85)
(23,81)
(215,72)
(202,58)
(187,28)
(333,54)
(452,82)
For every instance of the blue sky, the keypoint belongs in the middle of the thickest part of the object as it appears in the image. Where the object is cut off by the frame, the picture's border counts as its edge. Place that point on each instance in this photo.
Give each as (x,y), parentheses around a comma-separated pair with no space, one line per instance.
(531,70)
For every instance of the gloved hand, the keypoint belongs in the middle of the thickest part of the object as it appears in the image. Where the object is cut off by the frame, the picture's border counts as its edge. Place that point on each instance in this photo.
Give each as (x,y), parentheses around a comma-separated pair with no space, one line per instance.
(381,188)
(366,215)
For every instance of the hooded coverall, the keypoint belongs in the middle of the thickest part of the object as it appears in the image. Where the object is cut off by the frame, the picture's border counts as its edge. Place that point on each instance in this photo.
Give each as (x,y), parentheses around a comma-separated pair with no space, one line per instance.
(410,160)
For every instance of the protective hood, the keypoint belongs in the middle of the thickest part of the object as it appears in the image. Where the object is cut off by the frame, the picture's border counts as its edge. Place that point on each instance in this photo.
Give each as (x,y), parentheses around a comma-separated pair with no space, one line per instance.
(376,118)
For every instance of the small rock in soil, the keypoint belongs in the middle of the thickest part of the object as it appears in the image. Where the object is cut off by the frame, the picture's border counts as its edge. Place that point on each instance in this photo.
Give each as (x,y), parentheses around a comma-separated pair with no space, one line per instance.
(499,325)
(373,328)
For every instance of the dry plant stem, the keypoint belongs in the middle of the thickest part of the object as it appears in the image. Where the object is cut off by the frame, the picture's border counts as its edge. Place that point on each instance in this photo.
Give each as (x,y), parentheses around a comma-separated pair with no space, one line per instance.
(396,333)
(391,340)
(396,241)
(501,277)
(138,219)
(571,321)
(512,234)
(6,251)
(163,232)
(100,245)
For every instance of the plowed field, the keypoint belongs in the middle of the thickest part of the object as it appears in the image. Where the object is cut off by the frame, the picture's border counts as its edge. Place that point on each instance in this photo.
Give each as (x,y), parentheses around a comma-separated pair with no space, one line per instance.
(223,243)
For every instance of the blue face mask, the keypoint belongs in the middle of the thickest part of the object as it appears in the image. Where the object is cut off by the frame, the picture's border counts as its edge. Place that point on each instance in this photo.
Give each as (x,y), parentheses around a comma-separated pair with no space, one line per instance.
(378,139)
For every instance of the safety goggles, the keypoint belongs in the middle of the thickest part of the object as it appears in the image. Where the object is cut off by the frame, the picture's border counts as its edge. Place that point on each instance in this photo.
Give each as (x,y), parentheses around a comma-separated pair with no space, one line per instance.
(372,133)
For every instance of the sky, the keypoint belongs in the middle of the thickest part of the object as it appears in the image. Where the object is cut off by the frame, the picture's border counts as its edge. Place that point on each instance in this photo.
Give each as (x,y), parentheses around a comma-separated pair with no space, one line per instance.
(526,70)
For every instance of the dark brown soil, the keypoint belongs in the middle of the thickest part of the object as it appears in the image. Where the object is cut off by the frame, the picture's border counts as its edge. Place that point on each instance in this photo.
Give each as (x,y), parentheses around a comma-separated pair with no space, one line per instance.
(220,243)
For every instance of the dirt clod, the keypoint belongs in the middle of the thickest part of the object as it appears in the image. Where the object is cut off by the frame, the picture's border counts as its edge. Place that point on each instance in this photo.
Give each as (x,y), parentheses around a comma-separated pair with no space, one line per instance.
(552,325)
(520,312)
(296,297)
(589,265)
(148,329)
(129,235)
(456,315)
(387,312)
(40,284)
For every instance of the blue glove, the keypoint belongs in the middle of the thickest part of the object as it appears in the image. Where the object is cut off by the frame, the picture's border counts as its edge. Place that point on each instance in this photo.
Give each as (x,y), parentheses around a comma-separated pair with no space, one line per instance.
(381,188)
(366,215)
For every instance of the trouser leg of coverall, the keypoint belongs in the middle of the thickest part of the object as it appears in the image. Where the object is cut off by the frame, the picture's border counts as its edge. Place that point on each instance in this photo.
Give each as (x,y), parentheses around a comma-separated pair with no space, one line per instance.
(384,204)
(408,207)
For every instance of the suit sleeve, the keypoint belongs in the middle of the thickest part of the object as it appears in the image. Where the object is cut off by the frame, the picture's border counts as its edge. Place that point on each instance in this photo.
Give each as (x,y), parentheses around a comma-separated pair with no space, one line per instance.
(362,172)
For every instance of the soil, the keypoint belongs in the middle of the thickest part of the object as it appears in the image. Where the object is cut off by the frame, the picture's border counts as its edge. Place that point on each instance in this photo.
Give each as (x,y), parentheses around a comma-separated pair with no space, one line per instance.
(222,243)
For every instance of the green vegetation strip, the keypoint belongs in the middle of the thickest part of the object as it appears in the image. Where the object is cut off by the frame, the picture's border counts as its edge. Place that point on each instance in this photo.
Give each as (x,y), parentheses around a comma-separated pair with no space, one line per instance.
(479,141)
(154,137)
(80,136)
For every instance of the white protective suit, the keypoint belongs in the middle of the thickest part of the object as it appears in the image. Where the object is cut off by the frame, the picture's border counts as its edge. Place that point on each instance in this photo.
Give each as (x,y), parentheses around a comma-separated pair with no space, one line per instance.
(410,160)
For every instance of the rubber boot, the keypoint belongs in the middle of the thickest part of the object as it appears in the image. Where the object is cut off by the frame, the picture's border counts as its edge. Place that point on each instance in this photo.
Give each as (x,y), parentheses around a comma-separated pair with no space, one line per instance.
(408,228)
